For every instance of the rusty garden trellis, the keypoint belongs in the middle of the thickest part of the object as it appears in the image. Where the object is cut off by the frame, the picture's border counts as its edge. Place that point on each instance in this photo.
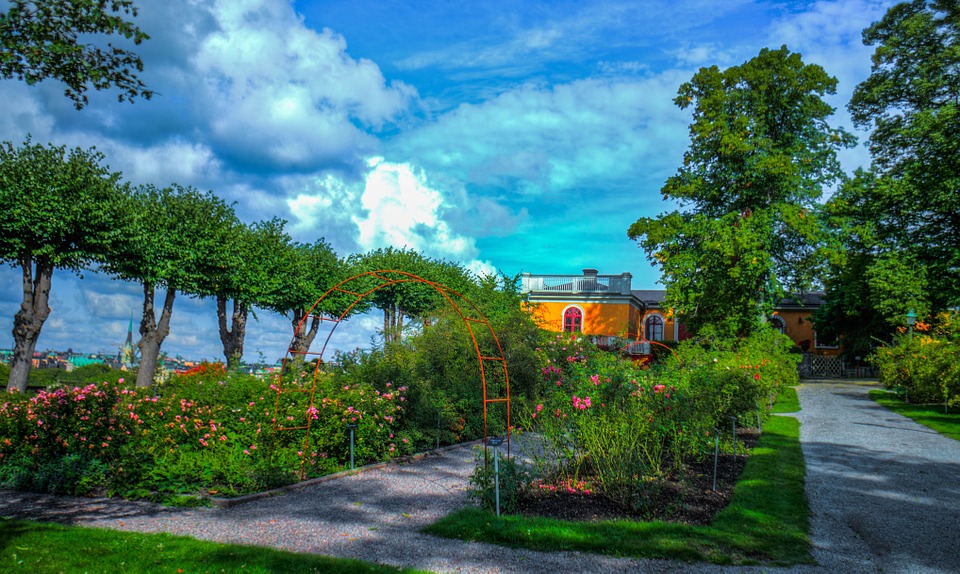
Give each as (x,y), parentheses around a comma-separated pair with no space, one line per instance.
(490,359)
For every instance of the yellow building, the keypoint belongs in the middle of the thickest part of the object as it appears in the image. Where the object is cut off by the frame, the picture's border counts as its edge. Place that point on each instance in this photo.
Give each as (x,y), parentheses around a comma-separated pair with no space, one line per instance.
(607,306)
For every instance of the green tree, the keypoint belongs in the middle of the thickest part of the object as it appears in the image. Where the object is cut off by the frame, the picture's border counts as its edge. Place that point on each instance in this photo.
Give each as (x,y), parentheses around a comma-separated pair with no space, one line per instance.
(255,263)
(306,272)
(872,284)
(41,39)
(58,210)
(407,299)
(761,152)
(174,242)
(911,100)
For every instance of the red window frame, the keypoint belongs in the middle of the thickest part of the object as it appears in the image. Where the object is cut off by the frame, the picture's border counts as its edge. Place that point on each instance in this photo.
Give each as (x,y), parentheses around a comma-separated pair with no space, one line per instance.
(572,320)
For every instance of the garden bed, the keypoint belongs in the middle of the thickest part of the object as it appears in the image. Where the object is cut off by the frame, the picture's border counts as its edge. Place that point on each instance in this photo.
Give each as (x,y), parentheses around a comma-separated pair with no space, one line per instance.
(684,498)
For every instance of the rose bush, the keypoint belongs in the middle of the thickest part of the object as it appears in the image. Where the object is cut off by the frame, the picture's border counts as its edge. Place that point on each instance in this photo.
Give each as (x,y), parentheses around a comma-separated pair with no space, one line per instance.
(208,432)
(607,425)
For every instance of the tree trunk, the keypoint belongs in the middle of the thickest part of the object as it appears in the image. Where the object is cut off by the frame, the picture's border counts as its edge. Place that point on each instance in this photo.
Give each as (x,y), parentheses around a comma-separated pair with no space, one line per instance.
(304,338)
(392,324)
(232,339)
(152,334)
(29,320)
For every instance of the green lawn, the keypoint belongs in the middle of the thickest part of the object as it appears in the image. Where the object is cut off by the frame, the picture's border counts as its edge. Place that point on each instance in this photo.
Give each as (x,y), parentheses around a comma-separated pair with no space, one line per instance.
(39,548)
(766,522)
(931,416)
(787,401)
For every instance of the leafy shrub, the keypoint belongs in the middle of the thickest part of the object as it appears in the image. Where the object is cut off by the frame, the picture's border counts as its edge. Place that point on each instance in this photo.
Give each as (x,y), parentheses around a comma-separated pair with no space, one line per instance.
(925,368)
(607,425)
(514,480)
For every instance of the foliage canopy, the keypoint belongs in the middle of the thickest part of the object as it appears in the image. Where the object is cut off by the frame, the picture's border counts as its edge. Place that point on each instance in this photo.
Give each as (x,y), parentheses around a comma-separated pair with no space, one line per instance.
(42,39)
(761,152)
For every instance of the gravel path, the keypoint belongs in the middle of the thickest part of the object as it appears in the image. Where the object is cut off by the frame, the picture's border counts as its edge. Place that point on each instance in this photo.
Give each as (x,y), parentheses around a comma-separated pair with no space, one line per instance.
(883,492)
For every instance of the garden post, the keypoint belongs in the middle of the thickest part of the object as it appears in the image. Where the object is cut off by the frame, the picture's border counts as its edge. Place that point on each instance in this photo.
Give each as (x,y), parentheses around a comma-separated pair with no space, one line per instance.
(352,428)
(716,455)
(734,420)
(495,442)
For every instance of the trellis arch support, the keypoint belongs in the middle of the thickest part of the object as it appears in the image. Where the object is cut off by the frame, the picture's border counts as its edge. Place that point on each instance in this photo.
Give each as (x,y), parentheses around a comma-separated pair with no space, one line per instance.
(355,289)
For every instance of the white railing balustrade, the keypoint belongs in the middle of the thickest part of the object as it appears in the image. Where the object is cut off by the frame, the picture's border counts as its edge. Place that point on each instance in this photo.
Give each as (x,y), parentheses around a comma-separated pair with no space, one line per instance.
(586,283)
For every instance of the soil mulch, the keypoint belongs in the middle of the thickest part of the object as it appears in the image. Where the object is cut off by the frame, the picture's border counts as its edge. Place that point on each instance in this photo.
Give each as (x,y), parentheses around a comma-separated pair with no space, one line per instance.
(686,498)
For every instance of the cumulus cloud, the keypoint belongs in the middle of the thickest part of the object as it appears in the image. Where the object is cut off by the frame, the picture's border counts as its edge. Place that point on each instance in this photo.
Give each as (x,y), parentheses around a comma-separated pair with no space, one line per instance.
(278,92)
(398,205)
(596,133)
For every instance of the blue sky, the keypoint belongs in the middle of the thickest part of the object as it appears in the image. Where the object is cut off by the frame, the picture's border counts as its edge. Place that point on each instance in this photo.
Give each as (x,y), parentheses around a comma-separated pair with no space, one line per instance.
(507,135)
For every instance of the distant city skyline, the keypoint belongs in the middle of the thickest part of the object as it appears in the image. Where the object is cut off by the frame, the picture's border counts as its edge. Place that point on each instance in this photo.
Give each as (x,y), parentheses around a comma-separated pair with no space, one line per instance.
(508,136)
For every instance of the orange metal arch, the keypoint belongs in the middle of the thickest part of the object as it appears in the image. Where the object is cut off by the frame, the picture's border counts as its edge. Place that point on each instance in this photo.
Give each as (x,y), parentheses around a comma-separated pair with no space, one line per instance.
(359,287)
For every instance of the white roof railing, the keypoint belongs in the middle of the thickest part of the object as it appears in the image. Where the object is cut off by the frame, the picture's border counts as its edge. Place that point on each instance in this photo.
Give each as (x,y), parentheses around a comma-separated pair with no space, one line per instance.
(589,282)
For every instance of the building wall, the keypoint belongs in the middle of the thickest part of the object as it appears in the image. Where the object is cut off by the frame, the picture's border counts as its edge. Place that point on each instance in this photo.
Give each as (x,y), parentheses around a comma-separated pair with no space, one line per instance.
(598,318)
(799,327)
(622,319)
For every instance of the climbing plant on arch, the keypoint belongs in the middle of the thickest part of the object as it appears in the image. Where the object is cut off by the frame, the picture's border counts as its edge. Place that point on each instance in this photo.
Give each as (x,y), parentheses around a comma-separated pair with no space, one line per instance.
(494,375)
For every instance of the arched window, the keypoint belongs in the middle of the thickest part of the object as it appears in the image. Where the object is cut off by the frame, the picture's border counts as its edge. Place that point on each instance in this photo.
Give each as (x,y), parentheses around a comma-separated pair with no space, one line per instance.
(653,328)
(778,323)
(573,320)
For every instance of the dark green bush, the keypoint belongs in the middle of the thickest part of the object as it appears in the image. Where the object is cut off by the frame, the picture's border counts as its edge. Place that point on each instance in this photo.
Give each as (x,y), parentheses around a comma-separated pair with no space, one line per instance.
(514,480)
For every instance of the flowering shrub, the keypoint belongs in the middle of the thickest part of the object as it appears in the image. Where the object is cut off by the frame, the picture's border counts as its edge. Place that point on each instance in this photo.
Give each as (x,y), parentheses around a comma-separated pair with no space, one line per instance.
(607,425)
(926,368)
(200,435)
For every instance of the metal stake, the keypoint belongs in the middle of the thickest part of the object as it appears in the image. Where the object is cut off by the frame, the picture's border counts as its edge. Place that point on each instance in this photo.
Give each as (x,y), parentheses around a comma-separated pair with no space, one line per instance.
(716,455)
(352,429)
(734,420)
(495,442)
(496,476)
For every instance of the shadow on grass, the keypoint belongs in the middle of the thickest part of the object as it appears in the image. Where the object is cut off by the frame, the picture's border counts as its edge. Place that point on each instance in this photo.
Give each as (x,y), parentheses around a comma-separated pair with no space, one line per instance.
(766,522)
(38,547)
(928,415)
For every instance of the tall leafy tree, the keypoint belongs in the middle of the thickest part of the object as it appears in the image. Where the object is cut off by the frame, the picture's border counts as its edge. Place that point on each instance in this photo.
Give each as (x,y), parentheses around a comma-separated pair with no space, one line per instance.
(305,272)
(872,284)
(175,242)
(761,152)
(41,39)
(58,210)
(911,100)
(254,261)
(408,300)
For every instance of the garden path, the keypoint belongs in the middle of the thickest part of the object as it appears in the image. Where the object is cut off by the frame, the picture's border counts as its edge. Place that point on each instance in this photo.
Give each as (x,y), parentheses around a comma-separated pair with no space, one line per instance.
(884,495)
(884,491)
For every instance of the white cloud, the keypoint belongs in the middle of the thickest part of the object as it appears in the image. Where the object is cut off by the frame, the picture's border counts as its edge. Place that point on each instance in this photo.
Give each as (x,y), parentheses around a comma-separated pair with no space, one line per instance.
(700,55)
(170,161)
(402,209)
(276,91)
(596,133)
(110,305)
(22,114)
(396,205)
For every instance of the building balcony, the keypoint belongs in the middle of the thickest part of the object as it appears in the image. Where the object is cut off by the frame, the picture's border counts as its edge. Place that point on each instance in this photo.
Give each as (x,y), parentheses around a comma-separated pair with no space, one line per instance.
(589,282)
